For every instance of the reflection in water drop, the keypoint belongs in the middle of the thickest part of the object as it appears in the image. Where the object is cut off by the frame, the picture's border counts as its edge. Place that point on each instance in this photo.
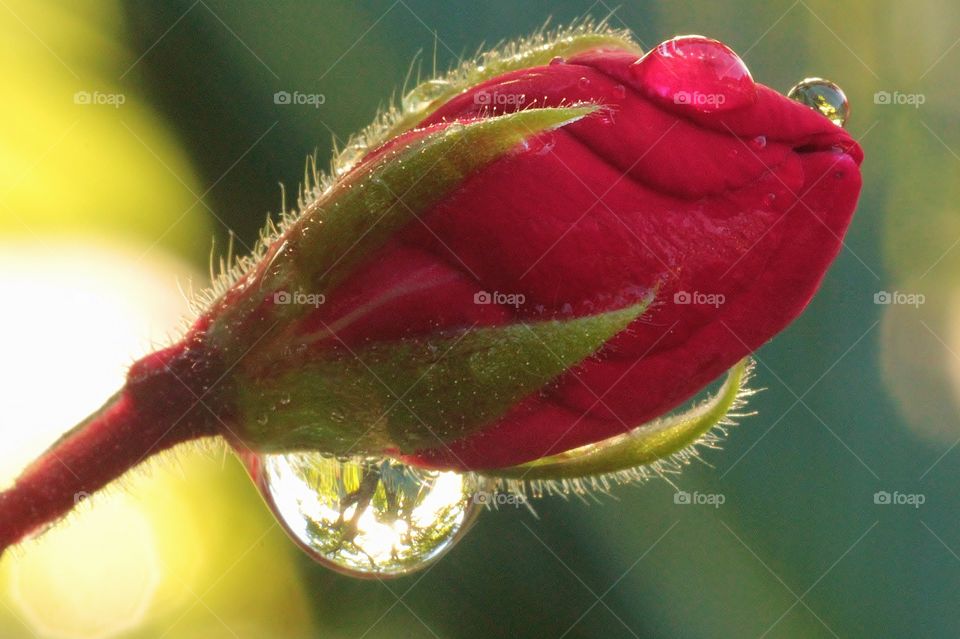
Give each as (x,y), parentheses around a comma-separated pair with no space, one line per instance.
(368,517)
(824,96)
(695,73)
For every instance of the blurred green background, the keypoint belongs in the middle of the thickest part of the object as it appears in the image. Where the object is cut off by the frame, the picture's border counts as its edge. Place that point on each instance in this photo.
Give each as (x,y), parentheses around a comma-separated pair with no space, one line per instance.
(860,396)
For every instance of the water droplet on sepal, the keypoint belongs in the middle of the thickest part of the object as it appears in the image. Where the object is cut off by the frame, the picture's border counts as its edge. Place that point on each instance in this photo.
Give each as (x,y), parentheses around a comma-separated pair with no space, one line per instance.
(824,96)
(368,517)
(422,95)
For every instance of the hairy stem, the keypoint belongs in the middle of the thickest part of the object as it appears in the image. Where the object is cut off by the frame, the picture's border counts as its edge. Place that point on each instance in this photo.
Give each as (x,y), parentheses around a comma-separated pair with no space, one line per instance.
(156,410)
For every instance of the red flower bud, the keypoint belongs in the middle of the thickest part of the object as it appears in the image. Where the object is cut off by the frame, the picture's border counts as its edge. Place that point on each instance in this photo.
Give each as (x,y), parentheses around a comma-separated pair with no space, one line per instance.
(537,253)
(735,210)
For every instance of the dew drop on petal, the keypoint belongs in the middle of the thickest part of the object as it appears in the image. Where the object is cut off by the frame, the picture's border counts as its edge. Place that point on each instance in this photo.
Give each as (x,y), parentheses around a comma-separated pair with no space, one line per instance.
(422,95)
(557,60)
(824,96)
(368,517)
(695,73)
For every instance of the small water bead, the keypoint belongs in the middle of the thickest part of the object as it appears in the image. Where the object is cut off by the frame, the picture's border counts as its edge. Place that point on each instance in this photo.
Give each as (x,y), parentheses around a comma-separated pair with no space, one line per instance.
(824,96)
(759,143)
(695,73)
(422,95)
(557,60)
(368,517)
(349,157)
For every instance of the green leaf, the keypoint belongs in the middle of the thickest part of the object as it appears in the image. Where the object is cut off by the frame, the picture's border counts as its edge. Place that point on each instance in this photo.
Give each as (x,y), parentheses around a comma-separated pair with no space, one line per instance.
(642,445)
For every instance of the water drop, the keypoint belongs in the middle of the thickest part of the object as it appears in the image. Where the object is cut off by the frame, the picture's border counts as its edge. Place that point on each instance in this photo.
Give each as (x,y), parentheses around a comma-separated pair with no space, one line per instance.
(422,95)
(349,157)
(583,83)
(695,73)
(824,96)
(619,91)
(368,517)
(759,143)
(556,60)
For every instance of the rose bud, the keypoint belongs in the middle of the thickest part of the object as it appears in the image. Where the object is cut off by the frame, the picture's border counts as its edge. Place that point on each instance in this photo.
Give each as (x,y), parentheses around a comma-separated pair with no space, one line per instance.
(539,252)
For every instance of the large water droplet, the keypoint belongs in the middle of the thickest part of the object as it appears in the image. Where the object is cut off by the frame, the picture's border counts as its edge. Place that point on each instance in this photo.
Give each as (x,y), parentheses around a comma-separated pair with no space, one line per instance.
(695,73)
(368,517)
(420,97)
(824,96)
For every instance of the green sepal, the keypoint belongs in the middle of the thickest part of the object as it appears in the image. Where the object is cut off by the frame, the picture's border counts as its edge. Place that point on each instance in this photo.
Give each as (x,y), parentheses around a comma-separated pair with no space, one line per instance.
(416,393)
(496,63)
(642,445)
(368,207)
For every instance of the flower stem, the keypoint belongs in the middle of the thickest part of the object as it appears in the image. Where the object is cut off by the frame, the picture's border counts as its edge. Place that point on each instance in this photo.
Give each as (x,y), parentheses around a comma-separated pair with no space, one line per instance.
(157,409)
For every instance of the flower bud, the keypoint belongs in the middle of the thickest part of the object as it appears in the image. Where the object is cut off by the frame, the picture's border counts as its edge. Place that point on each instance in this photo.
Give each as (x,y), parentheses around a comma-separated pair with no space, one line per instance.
(535,256)
(538,260)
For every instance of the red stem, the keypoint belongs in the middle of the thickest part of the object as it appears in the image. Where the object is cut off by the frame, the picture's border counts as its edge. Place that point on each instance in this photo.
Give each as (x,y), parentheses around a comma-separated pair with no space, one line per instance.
(157,409)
